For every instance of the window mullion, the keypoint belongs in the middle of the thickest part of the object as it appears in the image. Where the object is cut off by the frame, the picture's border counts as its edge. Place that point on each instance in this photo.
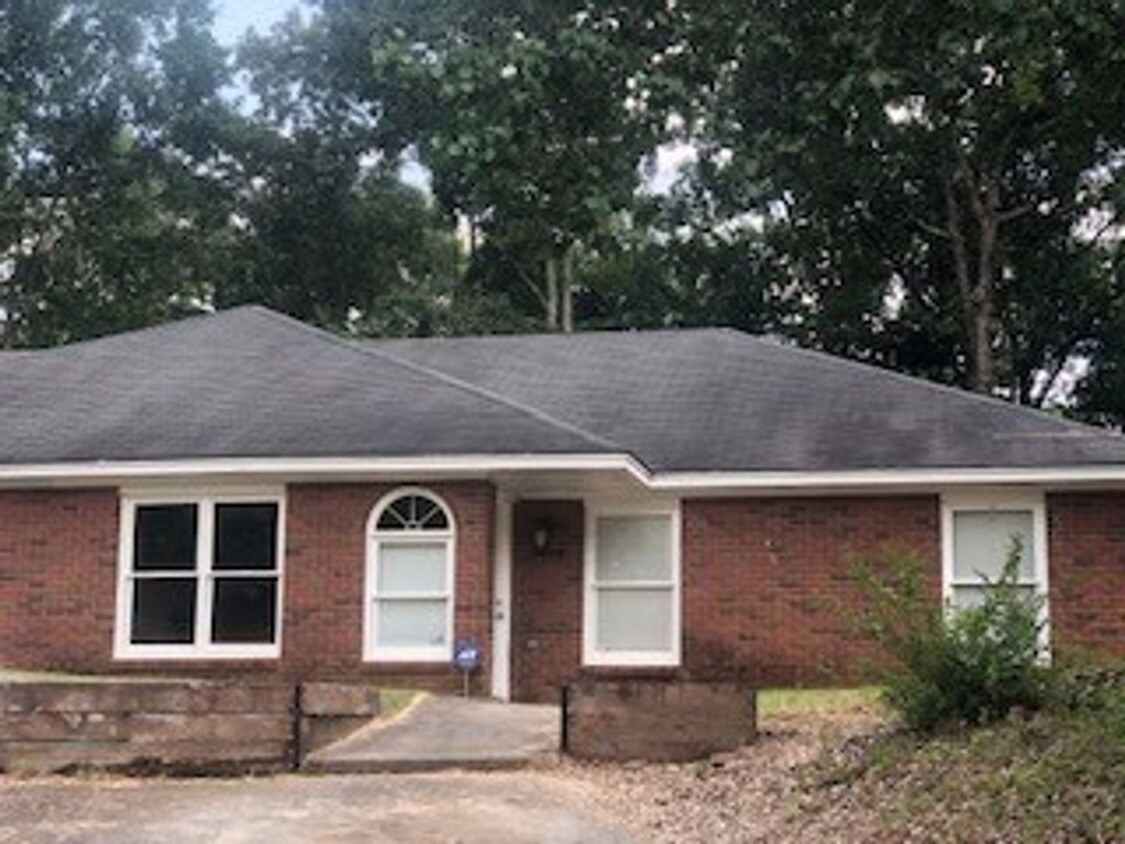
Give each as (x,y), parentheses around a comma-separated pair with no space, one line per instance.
(204,579)
(412,596)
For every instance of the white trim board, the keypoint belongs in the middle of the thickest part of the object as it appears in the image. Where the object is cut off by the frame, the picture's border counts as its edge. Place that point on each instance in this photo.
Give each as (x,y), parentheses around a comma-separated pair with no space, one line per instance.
(432,467)
(504,524)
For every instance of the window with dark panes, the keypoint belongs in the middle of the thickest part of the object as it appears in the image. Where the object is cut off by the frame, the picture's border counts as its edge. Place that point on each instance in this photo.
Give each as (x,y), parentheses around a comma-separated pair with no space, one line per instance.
(165,579)
(245,578)
(203,576)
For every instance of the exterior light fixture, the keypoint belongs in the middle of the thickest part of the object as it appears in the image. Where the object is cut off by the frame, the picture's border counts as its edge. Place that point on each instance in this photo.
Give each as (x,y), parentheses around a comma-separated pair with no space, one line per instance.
(541,536)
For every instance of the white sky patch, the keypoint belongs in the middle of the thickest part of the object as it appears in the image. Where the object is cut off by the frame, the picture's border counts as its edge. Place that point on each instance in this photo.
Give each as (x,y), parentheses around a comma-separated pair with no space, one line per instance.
(1061,393)
(894,297)
(234,17)
(414,173)
(668,162)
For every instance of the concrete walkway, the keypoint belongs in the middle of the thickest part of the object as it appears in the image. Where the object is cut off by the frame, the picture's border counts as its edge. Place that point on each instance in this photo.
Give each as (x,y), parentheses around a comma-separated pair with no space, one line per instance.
(441,733)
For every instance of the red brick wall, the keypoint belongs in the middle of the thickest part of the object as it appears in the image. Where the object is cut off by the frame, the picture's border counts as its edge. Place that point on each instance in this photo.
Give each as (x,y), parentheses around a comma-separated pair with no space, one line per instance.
(763,580)
(58,569)
(324,581)
(546,600)
(760,580)
(1087,570)
(58,575)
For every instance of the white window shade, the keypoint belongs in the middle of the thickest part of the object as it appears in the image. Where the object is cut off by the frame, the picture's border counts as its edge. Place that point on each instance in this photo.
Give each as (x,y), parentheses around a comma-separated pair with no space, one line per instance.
(632,549)
(409,616)
(411,568)
(411,624)
(967,597)
(632,579)
(983,541)
(634,620)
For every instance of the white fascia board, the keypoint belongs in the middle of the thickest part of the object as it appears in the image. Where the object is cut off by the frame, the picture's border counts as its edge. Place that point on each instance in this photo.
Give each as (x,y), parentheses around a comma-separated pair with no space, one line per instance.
(878,479)
(124,471)
(483,465)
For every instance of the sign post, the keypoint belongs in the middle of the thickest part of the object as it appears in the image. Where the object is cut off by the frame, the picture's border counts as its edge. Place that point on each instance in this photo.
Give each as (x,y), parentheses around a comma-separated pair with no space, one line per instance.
(466,659)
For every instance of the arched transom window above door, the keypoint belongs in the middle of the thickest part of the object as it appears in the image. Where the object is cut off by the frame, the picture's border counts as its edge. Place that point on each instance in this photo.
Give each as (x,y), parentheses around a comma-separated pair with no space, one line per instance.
(409,594)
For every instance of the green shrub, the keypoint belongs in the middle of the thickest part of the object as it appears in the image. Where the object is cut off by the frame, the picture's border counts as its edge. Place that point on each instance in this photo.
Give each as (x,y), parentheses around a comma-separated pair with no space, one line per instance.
(954,666)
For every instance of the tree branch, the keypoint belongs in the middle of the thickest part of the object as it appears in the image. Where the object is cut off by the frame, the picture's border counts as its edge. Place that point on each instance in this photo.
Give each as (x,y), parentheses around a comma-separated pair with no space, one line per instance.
(1014,213)
(930,228)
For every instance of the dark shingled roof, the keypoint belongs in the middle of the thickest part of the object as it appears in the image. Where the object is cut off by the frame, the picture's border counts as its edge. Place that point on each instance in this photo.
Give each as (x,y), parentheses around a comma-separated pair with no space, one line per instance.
(722,400)
(251,383)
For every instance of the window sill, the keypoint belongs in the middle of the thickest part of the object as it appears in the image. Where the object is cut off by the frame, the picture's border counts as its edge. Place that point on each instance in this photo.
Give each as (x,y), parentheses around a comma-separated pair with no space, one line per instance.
(142,653)
(634,659)
(416,655)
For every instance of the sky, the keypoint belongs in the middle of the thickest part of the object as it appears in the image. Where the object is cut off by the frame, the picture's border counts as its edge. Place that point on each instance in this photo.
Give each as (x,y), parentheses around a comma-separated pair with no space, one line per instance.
(234,17)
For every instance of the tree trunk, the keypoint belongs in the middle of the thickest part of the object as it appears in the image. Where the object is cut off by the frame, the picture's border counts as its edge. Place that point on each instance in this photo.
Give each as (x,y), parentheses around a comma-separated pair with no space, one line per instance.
(963,275)
(566,290)
(977,290)
(552,321)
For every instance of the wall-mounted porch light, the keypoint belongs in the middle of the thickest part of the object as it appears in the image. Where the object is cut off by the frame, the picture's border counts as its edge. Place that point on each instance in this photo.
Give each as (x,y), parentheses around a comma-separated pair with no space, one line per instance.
(541,535)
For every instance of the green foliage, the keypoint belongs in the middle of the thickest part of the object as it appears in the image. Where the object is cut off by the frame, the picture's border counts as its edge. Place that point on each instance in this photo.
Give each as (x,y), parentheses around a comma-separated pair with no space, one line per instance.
(967,665)
(1056,775)
(110,117)
(950,154)
(533,126)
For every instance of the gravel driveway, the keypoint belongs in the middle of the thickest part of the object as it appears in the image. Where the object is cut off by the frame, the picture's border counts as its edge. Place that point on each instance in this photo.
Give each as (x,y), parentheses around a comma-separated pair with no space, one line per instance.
(751,795)
(520,807)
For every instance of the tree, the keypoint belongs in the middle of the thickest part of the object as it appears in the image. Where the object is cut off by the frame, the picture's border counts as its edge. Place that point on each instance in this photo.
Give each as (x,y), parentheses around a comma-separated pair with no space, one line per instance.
(915,160)
(327,230)
(109,119)
(534,127)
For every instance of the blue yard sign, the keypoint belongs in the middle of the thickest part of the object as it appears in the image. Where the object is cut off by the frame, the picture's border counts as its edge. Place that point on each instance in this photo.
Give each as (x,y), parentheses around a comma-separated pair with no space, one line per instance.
(466,658)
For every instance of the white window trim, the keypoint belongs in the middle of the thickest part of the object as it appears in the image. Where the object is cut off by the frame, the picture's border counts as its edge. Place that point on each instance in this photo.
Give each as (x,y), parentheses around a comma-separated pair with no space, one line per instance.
(205,500)
(983,501)
(372,537)
(593,657)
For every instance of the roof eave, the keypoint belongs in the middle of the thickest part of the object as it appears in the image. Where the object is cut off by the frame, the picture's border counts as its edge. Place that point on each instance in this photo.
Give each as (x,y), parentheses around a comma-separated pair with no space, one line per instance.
(421,467)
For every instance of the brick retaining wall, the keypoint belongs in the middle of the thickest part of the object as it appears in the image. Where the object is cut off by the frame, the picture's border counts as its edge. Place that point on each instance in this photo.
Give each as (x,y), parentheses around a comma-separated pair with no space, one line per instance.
(190,726)
(656,720)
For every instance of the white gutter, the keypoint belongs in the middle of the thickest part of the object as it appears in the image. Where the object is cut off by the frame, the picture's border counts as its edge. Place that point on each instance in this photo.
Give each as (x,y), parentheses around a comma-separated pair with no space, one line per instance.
(314,467)
(434,466)
(880,478)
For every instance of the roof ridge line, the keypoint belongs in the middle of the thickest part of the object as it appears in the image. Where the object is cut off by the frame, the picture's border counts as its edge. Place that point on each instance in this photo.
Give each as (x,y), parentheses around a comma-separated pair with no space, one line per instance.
(449,380)
(552,335)
(152,328)
(917,380)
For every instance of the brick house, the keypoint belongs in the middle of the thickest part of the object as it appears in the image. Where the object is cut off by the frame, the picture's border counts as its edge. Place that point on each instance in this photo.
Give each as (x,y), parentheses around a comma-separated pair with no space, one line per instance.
(241,493)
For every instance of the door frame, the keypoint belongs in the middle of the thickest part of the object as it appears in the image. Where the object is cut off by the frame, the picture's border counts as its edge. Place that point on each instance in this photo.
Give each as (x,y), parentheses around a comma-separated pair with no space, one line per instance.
(502,598)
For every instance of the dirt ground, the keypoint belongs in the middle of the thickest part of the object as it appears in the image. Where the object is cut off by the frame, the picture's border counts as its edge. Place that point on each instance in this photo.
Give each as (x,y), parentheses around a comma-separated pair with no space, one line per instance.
(753,794)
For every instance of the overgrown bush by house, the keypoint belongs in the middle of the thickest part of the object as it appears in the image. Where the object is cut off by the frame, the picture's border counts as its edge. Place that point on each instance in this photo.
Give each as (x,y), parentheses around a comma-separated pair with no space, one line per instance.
(969,665)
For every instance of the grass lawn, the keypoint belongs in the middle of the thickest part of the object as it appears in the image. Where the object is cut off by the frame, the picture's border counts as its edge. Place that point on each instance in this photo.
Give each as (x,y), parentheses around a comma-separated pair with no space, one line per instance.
(18,675)
(796,702)
(393,701)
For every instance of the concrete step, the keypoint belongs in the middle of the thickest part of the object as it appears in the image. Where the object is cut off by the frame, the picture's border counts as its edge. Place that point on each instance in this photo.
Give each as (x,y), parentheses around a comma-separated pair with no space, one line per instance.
(446,733)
